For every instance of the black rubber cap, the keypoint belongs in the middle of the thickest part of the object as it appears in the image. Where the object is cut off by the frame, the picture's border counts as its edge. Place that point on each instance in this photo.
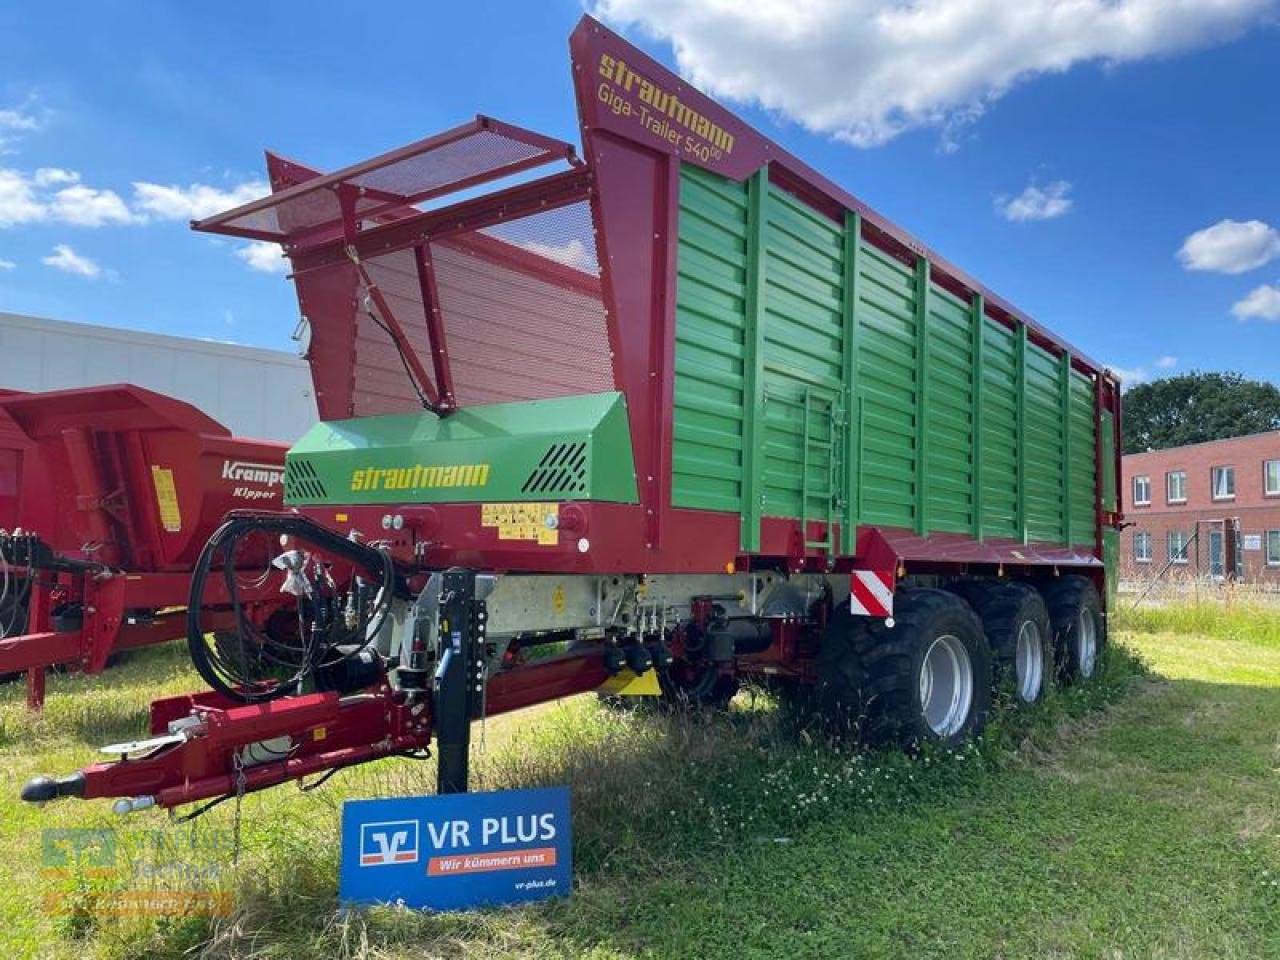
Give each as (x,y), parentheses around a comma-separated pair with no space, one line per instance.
(44,789)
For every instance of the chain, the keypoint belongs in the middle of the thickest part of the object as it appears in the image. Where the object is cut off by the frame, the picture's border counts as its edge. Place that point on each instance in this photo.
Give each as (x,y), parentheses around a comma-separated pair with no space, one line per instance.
(238,762)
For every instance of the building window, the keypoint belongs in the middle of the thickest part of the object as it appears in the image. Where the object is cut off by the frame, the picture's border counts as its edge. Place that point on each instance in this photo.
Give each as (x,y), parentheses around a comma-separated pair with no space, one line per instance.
(1175,486)
(1271,478)
(1177,546)
(1273,548)
(1224,483)
(1142,547)
(1141,491)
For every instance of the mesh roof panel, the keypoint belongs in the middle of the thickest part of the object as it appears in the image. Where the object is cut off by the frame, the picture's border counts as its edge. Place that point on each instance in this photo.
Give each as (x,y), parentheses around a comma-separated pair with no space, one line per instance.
(477,152)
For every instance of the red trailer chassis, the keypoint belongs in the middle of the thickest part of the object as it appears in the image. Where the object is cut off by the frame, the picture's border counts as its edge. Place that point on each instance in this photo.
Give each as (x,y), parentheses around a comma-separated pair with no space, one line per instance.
(114,491)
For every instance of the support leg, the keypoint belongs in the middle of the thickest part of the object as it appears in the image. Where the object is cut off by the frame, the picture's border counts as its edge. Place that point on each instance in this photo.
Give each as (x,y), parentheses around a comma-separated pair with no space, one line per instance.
(458,689)
(35,687)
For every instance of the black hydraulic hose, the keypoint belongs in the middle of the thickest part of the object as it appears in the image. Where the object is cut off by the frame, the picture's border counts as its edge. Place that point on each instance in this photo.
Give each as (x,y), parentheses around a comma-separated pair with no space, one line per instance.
(210,665)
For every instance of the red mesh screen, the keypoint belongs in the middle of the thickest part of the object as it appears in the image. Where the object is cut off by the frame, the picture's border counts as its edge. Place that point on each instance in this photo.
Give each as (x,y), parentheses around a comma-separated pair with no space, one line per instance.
(521,312)
(523,315)
(382,385)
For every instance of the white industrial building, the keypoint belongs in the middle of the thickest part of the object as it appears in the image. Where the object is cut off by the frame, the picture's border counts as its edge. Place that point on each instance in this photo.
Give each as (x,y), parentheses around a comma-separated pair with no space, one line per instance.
(263,394)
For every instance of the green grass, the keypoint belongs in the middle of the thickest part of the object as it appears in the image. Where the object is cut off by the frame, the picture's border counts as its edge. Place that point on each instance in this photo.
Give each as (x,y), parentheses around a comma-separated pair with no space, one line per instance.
(1136,817)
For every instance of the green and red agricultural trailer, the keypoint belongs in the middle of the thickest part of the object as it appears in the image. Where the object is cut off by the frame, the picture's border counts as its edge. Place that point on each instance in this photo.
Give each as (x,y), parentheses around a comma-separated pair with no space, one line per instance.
(683,408)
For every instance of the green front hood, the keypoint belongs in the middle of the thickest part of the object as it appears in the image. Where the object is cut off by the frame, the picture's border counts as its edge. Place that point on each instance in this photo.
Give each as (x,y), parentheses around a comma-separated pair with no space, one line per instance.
(569,448)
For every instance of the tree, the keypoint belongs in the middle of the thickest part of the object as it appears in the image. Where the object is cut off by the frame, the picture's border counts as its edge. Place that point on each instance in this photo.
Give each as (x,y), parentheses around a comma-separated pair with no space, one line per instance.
(1196,407)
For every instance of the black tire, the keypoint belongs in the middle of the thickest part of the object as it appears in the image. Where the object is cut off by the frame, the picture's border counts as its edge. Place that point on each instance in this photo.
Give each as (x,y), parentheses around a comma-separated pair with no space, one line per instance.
(1073,605)
(871,675)
(13,623)
(1012,612)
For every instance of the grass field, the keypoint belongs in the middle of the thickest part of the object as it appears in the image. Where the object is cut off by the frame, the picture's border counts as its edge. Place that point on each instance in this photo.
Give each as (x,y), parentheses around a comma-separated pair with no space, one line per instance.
(1137,817)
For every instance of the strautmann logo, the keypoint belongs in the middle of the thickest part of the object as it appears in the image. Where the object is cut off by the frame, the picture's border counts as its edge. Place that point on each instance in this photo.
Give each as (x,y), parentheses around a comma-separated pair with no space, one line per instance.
(420,477)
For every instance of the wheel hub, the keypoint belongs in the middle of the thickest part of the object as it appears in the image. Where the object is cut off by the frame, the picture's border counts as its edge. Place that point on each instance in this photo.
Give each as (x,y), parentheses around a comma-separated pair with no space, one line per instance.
(1087,643)
(946,685)
(1029,662)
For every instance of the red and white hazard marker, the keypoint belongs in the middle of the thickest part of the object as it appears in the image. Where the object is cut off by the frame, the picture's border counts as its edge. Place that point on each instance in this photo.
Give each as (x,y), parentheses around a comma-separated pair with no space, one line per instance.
(871,593)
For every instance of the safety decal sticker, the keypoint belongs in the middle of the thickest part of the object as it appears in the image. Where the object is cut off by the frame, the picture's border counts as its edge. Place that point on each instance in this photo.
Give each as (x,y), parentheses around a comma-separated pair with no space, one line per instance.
(522,521)
(871,593)
(166,499)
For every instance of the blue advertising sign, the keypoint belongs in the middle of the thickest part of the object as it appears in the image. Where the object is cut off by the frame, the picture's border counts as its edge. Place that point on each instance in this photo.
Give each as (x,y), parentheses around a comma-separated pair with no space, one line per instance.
(457,851)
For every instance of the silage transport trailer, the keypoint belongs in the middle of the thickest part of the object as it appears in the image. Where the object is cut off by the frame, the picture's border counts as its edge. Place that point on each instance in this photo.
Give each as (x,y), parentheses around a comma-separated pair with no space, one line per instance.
(107,495)
(683,407)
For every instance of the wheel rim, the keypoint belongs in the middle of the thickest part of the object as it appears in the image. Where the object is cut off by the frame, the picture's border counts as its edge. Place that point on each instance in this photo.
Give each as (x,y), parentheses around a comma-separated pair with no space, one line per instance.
(1029,662)
(1087,643)
(946,685)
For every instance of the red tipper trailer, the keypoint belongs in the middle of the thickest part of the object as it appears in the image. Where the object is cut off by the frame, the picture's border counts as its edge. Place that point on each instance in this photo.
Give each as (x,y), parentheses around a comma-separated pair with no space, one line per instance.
(684,407)
(107,495)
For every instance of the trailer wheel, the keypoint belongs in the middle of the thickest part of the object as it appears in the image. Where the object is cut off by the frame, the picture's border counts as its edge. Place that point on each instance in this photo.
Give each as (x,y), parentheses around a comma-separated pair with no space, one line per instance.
(1016,623)
(927,679)
(1079,629)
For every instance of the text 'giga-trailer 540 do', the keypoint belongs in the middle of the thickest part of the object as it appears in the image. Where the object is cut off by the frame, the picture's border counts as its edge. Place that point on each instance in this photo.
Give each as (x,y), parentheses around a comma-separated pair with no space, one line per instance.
(679,413)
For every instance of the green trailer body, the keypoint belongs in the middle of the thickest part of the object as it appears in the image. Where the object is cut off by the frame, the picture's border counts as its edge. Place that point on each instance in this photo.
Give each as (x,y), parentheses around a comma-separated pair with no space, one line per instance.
(819,377)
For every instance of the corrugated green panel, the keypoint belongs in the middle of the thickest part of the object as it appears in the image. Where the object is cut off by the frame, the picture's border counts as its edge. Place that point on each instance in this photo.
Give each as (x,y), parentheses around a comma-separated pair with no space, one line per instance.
(709,356)
(886,333)
(1109,479)
(803,352)
(998,446)
(948,414)
(931,416)
(1043,448)
(1081,485)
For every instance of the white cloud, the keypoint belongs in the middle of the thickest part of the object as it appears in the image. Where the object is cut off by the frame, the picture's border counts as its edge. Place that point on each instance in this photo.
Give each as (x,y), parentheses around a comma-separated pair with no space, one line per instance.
(1262,303)
(263,256)
(54,176)
(14,122)
(86,207)
(1230,246)
(195,201)
(18,202)
(1037,203)
(30,198)
(17,120)
(68,261)
(572,253)
(7,264)
(1132,376)
(864,71)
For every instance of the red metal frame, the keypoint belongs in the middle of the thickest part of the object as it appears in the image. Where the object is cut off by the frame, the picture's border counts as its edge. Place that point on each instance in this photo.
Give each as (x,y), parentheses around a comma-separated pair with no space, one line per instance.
(88,492)
(328,732)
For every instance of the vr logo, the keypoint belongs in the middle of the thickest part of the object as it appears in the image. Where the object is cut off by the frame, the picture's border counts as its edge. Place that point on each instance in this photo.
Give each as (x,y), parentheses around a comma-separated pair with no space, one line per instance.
(391,842)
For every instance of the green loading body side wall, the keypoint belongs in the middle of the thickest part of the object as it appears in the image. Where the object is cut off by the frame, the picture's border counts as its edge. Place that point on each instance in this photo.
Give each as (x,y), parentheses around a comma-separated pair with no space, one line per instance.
(818,377)
(568,448)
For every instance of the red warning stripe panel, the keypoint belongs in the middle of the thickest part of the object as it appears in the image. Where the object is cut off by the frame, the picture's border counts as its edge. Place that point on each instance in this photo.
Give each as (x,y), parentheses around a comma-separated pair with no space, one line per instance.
(871,593)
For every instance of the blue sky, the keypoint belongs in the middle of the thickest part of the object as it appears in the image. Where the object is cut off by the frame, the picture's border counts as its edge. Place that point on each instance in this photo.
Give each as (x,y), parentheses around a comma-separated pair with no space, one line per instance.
(1115,179)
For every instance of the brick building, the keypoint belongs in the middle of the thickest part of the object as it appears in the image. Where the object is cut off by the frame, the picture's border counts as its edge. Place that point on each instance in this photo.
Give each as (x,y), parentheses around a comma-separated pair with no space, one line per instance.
(1179,500)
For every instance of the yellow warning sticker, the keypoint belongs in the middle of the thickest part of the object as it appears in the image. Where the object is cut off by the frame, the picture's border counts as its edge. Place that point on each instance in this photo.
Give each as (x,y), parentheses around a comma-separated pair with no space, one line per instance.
(166,498)
(522,521)
(625,683)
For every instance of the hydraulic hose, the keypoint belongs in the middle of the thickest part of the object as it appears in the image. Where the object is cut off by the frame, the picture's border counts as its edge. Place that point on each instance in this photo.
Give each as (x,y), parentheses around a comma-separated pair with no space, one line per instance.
(325,642)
